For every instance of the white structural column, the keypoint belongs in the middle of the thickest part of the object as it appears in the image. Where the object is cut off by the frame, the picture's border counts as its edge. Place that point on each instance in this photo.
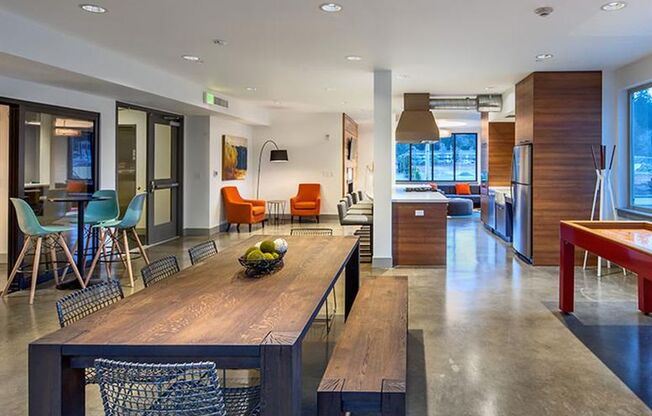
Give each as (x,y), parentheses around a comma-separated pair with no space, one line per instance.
(382,168)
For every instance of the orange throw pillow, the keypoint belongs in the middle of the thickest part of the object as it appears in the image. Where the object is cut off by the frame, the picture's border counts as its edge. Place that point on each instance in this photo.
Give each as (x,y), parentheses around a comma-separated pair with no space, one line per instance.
(462,189)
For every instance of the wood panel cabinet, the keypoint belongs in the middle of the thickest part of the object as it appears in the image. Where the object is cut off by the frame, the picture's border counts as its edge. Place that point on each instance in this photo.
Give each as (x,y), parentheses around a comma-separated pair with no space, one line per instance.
(561,114)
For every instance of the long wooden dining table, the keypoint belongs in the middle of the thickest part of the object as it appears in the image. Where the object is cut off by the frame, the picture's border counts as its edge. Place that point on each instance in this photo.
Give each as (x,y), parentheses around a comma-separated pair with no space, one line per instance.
(207,312)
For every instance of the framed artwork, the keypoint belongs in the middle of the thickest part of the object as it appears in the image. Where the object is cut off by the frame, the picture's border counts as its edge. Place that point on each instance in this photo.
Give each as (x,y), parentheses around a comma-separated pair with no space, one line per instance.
(234,158)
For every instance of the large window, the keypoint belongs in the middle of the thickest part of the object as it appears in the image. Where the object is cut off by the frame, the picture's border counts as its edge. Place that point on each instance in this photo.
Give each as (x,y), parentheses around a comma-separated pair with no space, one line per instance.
(640,114)
(451,159)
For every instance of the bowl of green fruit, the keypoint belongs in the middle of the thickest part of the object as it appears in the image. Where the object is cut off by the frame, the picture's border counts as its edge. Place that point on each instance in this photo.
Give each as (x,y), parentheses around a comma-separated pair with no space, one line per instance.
(265,257)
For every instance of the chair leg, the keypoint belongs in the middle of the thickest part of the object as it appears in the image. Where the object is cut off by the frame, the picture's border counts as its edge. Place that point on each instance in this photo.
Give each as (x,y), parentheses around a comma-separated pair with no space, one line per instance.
(19,261)
(237,228)
(53,260)
(116,243)
(140,246)
(71,261)
(317,216)
(125,241)
(334,300)
(96,257)
(105,255)
(249,227)
(228,227)
(328,319)
(37,259)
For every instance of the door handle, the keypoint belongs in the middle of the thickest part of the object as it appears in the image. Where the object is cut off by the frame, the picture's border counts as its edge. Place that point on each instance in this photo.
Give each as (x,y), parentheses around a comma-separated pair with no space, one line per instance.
(154,186)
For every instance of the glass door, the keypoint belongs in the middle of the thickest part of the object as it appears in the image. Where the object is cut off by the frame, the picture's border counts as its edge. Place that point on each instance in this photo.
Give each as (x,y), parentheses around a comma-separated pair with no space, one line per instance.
(163,177)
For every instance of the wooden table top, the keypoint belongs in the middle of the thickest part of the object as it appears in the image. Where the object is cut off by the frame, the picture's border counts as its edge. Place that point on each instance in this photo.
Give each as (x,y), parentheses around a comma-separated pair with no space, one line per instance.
(214,304)
(633,234)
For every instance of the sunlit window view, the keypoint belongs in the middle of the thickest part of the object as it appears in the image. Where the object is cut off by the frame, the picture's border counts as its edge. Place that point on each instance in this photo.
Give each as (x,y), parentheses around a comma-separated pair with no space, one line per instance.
(453,159)
(641,147)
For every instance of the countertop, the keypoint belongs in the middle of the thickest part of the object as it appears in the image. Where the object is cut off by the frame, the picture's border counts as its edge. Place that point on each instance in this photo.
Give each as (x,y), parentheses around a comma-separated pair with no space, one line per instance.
(399,195)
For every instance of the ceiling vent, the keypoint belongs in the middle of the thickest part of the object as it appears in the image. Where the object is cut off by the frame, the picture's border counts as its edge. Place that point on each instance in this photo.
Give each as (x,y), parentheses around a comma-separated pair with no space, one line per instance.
(543,11)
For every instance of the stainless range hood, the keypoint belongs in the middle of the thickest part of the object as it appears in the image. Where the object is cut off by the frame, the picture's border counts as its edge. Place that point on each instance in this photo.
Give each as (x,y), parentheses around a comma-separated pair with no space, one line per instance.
(417,124)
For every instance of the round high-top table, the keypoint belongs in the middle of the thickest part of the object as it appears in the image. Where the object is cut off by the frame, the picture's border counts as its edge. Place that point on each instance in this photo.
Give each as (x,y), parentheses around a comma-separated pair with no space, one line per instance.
(81,200)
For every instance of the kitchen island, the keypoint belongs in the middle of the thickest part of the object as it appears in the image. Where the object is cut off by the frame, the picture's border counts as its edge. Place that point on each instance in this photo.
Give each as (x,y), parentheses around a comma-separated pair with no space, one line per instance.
(419,222)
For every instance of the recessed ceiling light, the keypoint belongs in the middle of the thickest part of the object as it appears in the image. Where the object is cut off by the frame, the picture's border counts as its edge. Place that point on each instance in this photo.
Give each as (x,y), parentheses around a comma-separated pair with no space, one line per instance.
(92,8)
(544,56)
(543,11)
(489,88)
(402,76)
(191,58)
(220,42)
(329,89)
(251,89)
(613,6)
(330,7)
(354,58)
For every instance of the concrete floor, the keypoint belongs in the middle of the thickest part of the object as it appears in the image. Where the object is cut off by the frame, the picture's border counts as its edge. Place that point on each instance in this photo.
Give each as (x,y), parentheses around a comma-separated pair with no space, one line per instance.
(485,338)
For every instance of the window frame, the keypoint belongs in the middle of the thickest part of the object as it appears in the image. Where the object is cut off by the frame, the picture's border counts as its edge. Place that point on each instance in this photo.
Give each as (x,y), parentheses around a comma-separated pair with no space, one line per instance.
(432,163)
(630,150)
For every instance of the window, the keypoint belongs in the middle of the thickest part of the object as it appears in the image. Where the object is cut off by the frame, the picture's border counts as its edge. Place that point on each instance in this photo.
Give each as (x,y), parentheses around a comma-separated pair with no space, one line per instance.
(451,159)
(640,144)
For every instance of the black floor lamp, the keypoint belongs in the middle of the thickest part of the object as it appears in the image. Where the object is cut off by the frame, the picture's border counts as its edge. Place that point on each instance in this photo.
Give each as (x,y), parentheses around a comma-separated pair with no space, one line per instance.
(277,156)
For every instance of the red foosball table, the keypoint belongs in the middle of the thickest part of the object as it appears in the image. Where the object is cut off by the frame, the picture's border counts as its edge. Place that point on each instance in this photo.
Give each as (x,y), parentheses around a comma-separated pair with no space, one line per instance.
(626,243)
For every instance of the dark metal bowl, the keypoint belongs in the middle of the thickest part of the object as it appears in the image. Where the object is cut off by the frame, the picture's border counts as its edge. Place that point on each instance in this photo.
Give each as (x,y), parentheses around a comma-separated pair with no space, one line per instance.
(257,268)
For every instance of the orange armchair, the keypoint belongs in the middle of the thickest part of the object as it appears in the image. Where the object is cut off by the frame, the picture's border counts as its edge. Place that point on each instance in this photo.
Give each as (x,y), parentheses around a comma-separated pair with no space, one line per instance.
(307,203)
(242,211)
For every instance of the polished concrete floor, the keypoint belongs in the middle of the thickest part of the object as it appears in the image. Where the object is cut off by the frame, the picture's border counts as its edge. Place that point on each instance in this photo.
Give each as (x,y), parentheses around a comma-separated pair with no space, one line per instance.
(484,336)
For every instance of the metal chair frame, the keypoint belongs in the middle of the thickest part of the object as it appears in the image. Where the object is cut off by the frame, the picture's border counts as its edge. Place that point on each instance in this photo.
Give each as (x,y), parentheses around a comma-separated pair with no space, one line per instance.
(202,251)
(159,270)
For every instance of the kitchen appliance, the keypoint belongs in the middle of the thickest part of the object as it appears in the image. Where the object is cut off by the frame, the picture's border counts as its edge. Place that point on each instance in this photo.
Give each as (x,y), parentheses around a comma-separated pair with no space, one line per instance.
(522,200)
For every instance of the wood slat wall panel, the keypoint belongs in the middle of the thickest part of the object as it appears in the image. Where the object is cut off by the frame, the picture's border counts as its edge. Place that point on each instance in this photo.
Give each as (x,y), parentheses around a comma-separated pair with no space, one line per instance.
(566,119)
(501,144)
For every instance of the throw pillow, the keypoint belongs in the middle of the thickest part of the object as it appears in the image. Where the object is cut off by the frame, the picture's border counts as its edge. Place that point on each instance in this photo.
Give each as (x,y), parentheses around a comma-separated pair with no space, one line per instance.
(462,189)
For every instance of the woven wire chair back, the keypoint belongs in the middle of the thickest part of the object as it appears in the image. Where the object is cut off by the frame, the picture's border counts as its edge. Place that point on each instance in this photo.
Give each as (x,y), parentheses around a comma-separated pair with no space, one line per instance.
(202,251)
(242,401)
(312,231)
(159,389)
(159,270)
(79,304)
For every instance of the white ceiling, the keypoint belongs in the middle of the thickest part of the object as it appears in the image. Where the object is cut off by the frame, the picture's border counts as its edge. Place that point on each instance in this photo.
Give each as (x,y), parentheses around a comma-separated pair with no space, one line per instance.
(294,54)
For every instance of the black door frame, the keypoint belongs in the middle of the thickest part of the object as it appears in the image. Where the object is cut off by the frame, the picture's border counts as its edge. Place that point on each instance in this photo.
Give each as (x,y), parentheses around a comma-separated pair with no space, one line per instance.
(180,152)
(17,110)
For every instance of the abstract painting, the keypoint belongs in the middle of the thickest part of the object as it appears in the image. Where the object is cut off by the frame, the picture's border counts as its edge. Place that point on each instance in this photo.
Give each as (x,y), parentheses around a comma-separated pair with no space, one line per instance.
(234,158)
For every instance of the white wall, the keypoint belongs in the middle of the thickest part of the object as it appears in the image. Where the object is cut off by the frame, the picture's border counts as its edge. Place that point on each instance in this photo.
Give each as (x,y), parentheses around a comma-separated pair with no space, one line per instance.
(40,93)
(314,145)
(615,118)
(4,180)
(366,156)
(196,192)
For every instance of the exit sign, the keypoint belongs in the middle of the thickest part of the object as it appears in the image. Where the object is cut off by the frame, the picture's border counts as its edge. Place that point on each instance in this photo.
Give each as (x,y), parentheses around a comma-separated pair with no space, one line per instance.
(211,99)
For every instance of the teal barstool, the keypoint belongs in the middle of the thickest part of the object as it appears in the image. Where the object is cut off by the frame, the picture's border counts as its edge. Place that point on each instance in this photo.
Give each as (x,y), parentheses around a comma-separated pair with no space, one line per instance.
(37,234)
(98,212)
(125,225)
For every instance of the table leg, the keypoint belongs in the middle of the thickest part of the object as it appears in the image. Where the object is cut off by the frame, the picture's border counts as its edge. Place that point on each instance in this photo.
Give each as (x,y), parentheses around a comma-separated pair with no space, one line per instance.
(54,387)
(644,294)
(352,283)
(566,276)
(81,253)
(280,366)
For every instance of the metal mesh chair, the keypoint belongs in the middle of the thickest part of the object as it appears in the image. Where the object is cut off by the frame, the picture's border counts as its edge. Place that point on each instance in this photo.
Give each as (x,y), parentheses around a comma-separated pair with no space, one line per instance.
(159,270)
(242,401)
(202,251)
(312,231)
(319,232)
(79,304)
(133,389)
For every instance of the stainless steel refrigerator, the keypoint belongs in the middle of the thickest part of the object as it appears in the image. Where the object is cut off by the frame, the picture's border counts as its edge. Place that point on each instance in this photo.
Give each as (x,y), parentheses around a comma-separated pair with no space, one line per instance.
(522,200)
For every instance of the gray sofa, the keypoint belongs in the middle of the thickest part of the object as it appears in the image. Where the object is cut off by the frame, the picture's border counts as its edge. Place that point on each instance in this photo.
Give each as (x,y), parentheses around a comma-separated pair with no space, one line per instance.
(449,191)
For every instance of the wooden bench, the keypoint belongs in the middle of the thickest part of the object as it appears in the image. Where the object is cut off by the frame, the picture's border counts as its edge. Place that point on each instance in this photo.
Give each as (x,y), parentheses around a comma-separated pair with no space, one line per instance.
(367,371)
